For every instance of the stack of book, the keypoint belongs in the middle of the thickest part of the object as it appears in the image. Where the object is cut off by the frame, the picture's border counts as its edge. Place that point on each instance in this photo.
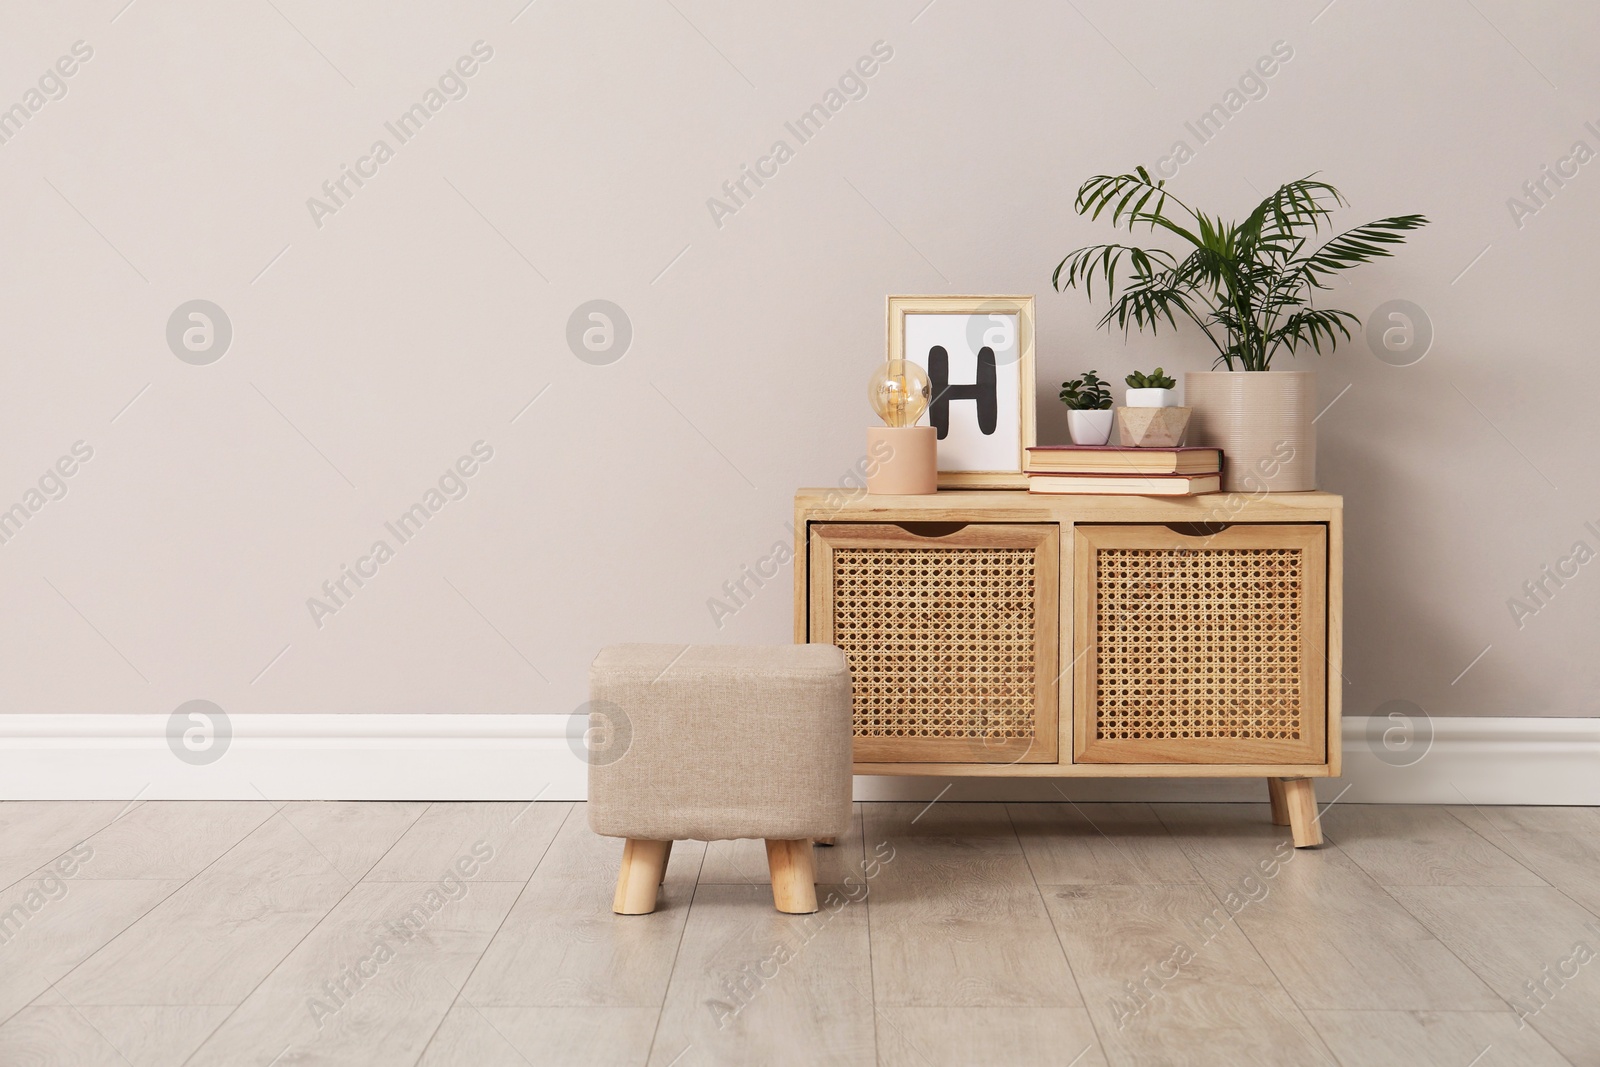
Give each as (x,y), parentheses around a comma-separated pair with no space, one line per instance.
(1126,471)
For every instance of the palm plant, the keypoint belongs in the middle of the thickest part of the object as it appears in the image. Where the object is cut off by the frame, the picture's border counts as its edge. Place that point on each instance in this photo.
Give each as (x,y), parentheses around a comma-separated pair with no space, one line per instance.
(1248,285)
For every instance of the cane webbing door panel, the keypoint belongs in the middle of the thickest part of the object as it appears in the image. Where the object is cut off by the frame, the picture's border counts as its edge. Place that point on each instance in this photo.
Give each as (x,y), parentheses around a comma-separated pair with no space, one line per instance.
(951,633)
(1206,649)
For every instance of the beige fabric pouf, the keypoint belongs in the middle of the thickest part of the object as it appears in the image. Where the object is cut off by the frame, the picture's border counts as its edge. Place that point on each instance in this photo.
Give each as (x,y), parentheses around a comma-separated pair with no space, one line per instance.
(717,742)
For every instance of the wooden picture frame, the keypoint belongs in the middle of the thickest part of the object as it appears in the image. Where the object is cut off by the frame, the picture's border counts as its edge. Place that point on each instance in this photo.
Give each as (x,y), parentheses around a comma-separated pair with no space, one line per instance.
(977,463)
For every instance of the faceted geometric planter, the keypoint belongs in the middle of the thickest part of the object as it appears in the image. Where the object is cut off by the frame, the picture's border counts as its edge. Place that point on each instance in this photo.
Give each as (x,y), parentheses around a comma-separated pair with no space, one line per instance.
(1152,427)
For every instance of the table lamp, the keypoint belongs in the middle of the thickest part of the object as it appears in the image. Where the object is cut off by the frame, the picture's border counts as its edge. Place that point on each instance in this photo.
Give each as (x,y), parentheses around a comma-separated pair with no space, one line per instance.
(901,456)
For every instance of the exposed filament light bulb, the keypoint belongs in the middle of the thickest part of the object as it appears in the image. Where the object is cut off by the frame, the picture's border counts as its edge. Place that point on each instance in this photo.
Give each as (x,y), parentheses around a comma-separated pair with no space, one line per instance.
(899,391)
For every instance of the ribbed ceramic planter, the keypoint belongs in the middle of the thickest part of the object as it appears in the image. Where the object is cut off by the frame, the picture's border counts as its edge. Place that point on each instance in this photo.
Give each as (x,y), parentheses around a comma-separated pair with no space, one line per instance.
(1262,422)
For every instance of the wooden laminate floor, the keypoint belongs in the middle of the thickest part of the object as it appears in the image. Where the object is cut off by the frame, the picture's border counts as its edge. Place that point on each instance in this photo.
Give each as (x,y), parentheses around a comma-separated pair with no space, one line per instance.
(255,933)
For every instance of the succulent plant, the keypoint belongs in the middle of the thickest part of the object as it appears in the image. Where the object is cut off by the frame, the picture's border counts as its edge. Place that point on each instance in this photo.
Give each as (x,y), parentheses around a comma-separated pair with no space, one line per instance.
(1087,393)
(1156,379)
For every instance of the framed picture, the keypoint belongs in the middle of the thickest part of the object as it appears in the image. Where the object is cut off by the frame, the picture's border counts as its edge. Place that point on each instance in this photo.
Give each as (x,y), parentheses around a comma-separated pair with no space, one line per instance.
(978,352)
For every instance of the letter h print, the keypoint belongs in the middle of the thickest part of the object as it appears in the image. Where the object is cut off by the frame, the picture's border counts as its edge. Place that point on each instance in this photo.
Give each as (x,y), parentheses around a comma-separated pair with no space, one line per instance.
(982,392)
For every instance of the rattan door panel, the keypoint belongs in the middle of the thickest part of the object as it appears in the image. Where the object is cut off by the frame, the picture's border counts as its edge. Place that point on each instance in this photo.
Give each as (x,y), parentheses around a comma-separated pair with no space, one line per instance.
(951,637)
(1200,649)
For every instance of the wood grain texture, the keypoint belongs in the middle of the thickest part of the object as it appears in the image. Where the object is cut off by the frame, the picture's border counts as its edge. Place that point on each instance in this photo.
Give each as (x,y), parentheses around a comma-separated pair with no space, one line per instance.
(49,937)
(1561,845)
(1022,506)
(950,946)
(1528,944)
(50,1036)
(1099,844)
(1280,804)
(561,946)
(354,835)
(152,1035)
(1156,977)
(754,986)
(915,841)
(641,871)
(1334,937)
(1415,844)
(220,934)
(488,1036)
(517,832)
(171,838)
(1300,803)
(794,876)
(1432,1039)
(36,832)
(371,983)
(1334,651)
(966,934)
(961,1037)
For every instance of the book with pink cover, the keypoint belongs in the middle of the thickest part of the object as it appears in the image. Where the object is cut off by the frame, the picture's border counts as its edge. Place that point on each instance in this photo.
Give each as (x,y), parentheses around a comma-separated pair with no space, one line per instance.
(1113,459)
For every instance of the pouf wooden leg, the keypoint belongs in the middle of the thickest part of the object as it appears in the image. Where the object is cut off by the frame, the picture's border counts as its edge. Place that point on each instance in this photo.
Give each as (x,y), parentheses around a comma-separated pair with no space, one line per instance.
(1280,806)
(1300,801)
(644,865)
(825,842)
(794,876)
(665,856)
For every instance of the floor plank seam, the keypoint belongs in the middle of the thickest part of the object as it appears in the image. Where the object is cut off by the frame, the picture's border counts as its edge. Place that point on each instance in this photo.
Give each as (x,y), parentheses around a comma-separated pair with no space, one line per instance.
(1317,1039)
(1083,1000)
(137,918)
(1593,913)
(485,950)
(672,971)
(350,887)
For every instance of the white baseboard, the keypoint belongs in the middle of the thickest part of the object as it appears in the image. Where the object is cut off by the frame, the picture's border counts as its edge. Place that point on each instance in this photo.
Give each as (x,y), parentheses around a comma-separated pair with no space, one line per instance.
(516,757)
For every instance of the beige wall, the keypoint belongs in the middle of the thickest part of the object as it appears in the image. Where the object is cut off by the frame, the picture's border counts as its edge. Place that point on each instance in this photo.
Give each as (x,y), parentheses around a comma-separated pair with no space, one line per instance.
(374,345)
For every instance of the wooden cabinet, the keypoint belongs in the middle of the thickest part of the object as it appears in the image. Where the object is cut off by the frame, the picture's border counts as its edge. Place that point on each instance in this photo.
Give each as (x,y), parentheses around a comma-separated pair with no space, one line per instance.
(1002,633)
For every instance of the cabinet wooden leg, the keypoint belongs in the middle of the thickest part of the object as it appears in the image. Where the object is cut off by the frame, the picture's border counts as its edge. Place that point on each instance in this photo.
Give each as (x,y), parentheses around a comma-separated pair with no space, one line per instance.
(1300,801)
(1280,806)
(644,865)
(794,876)
(825,842)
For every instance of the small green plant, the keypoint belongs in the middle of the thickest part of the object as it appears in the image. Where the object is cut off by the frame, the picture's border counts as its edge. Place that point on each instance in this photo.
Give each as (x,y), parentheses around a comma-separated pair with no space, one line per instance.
(1156,379)
(1087,393)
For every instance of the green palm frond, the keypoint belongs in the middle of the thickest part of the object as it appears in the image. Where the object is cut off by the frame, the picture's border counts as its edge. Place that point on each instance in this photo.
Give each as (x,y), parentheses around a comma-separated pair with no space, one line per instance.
(1247,284)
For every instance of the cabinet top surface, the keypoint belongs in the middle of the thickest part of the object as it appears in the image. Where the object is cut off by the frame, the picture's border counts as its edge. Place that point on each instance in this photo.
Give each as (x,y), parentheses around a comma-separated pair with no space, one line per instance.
(1019,504)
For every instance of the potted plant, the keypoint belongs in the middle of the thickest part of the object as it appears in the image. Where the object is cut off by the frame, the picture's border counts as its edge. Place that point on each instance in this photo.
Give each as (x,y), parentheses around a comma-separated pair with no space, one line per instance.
(1153,390)
(1152,417)
(1249,286)
(1089,412)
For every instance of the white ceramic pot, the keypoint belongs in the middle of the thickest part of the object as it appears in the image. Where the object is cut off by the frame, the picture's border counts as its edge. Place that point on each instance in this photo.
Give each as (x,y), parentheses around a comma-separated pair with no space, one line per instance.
(1090,427)
(1262,422)
(1152,398)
